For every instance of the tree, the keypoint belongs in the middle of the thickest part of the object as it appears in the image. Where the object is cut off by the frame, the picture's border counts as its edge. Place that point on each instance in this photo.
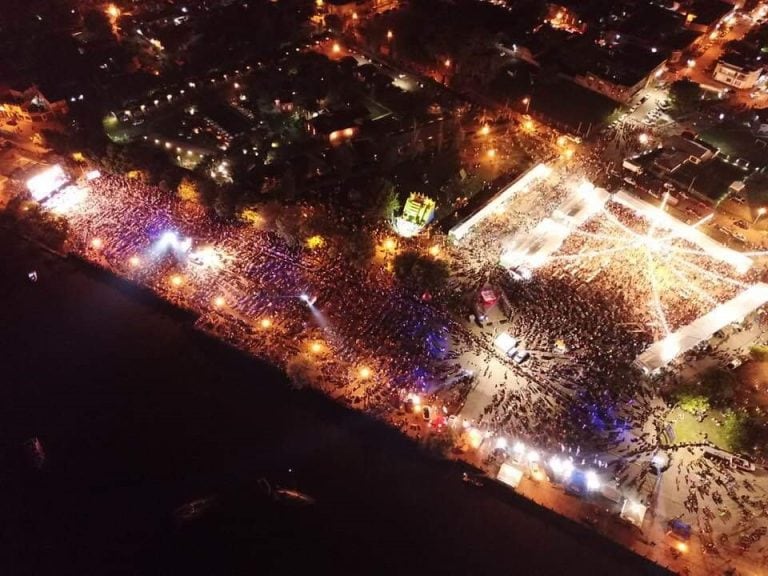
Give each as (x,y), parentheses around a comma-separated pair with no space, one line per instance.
(421,272)
(717,385)
(224,205)
(387,201)
(759,352)
(685,94)
(97,24)
(696,405)
(744,431)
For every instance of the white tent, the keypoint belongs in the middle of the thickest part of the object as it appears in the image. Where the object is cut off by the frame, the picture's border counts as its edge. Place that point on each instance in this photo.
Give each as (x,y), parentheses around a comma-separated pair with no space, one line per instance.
(510,475)
(662,352)
(538,172)
(661,219)
(633,512)
(505,342)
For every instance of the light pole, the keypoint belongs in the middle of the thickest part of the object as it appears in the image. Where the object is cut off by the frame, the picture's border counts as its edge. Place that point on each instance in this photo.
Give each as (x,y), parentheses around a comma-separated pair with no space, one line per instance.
(760,212)
(527,102)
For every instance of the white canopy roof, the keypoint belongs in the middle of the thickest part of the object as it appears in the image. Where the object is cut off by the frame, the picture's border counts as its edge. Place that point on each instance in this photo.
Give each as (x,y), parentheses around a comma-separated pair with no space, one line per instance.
(510,475)
(667,349)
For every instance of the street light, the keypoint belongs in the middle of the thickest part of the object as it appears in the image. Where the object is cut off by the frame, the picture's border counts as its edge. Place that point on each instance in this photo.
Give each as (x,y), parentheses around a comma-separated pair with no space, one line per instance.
(528,125)
(390,35)
(364,373)
(134,261)
(336,48)
(491,153)
(485,130)
(527,102)
(218,302)
(176,280)
(266,323)
(97,243)
(643,138)
(760,212)
(447,63)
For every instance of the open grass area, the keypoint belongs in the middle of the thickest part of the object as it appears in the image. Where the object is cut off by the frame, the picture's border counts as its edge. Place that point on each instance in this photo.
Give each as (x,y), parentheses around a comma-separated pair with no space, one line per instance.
(737,142)
(688,429)
(558,99)
(711,179)
(570,104)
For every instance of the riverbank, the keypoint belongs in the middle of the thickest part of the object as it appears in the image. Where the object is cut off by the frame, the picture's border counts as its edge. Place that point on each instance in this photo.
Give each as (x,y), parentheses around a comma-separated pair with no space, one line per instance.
(140,414)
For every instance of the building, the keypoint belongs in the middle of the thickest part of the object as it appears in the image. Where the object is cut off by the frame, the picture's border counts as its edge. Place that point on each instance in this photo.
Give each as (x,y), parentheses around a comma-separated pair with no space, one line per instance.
(336,127)
(678,150)
(705,15)
(562,17)
(29,105)
(736,72)
(353,9)
(622,72)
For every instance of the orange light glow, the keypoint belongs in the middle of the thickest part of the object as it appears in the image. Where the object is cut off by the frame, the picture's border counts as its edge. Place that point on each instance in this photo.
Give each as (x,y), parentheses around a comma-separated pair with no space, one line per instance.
(316,347)
(113,11)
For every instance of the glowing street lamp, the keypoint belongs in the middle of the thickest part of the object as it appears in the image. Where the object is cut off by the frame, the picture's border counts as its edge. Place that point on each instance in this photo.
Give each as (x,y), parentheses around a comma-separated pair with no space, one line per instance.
(266,323)
(527,102)
(113,11)
(97,243)
(447,63)
(218,302)
(336,48)
(434,250)
(485,130)
(364,373)
(528,125)
(390,35)
(176,280)
(760,213)
(390,245)
(316,347)
(643,138)
(491,153)
(134,261)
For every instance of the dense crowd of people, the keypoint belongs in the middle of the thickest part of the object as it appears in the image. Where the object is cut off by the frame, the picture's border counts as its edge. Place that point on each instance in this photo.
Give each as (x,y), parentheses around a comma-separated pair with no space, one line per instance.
(581,322)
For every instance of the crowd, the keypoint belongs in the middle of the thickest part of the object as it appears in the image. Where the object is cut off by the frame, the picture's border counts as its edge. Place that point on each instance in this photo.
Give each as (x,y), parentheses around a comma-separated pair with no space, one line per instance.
(379,341)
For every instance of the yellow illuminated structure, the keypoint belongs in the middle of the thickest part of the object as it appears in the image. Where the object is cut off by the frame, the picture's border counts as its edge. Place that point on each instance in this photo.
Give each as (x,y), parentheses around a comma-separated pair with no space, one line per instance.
(418,211)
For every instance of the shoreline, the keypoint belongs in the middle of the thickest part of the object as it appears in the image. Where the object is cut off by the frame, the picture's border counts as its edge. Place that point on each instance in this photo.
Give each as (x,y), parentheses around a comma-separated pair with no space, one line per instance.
(145,295)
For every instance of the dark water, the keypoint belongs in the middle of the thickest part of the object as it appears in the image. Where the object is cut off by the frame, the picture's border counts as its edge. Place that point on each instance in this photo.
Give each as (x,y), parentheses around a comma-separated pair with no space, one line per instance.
(139,414)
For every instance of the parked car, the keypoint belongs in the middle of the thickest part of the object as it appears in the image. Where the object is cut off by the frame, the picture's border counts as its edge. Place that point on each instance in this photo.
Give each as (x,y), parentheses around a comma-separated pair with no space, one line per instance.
(521,356)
